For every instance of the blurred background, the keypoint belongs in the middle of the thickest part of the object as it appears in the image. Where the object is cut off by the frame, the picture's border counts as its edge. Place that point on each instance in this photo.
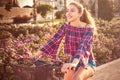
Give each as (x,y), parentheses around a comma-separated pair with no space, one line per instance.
(26,25)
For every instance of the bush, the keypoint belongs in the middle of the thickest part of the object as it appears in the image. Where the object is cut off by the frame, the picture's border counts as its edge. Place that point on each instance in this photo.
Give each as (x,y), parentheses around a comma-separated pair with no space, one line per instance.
(8,6)
(106,45)
(105,10)
(2,4)
(18,41)
(1,16)
(59,14)
(21,19)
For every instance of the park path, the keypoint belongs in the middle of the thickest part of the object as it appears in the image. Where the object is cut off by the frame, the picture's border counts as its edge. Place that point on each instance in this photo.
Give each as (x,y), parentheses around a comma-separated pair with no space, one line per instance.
(108,71)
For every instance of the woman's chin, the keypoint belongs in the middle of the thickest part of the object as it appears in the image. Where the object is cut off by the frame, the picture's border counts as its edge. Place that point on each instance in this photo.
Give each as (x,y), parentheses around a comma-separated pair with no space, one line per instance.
(69,20)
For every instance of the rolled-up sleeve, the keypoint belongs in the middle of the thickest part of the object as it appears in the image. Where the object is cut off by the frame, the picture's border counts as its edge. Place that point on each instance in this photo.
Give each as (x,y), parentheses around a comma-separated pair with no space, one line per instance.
(52,45)
(84,48)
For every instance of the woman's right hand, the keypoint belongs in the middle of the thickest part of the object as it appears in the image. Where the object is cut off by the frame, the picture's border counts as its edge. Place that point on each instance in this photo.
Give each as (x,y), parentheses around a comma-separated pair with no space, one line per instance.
(68,66)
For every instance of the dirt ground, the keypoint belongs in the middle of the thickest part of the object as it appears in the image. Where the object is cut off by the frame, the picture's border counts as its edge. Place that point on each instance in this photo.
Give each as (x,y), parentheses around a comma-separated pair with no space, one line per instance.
(108,71)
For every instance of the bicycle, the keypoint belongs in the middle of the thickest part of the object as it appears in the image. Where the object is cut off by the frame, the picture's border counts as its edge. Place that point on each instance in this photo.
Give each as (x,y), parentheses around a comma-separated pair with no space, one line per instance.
(37,69)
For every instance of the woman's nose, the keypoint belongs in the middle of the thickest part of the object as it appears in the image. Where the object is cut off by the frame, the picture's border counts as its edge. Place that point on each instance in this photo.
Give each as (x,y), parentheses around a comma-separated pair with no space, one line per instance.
(68,13)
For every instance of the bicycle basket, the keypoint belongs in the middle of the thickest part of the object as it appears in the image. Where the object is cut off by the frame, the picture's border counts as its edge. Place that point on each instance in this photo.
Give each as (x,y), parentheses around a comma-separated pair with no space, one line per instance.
(39,70)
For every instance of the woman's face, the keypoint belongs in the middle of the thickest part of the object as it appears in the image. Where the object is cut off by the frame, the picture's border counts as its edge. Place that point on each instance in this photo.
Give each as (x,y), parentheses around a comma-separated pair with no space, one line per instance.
(72,13)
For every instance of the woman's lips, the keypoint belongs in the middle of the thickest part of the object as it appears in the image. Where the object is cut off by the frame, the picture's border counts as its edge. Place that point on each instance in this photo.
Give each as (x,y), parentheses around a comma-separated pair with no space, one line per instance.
(69,17)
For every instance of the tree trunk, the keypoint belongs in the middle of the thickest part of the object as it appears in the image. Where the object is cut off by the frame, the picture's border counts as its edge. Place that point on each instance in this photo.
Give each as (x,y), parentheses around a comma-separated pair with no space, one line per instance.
(65,5)
(96,8)
(34,12)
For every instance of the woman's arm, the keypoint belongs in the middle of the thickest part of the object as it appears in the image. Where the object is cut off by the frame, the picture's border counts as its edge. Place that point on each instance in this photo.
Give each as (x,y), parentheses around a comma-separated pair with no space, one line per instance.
(83,51)
(53,43)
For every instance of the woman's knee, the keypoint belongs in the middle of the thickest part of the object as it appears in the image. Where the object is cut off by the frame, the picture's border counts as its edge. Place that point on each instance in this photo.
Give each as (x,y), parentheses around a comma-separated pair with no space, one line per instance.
(80,74)
(68,75)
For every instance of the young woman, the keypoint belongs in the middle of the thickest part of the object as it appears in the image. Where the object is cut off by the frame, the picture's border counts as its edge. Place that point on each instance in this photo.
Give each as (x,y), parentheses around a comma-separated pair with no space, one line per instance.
(78,34)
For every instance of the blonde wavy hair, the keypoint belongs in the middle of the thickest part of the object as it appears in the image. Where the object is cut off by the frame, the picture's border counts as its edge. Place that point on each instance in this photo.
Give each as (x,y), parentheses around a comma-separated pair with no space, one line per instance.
(86,15)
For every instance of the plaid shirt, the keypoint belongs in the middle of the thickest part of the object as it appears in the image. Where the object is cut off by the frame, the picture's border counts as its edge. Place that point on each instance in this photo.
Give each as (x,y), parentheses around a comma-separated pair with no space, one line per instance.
(77,42)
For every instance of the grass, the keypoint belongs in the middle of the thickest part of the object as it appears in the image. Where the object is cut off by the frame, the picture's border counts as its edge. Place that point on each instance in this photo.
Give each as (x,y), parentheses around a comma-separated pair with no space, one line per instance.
(55,20)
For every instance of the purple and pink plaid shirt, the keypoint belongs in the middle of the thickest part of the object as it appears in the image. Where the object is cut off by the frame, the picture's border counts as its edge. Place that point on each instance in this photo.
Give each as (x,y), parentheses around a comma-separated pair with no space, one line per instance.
(78,42)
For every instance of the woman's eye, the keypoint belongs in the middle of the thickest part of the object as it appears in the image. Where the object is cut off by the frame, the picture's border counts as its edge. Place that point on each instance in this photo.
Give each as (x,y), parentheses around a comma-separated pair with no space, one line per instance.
(72,10)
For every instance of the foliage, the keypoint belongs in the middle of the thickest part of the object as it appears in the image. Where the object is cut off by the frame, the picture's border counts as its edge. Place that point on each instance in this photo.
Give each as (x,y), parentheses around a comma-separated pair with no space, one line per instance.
(23,41)
(117,7)
(107,41)
(59,14)
(8,6)
(19,42)
(44,9)
(1,16)
(21,19)
(11,49)
(2,4)
(105,10)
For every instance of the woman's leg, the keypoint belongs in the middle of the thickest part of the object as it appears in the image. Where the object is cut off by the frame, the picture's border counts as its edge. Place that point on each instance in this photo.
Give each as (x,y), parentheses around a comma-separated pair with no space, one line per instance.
(83,73)
(69,74)
(80,74)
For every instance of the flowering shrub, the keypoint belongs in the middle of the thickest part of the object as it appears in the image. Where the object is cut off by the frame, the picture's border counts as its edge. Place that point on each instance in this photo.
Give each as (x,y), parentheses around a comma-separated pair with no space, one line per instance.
(21,19)
(17,41)
(106,46)
(11,49)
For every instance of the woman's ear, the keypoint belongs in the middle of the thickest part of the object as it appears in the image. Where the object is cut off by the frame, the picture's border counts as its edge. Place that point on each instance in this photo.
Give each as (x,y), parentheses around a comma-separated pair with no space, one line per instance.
(80,14)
